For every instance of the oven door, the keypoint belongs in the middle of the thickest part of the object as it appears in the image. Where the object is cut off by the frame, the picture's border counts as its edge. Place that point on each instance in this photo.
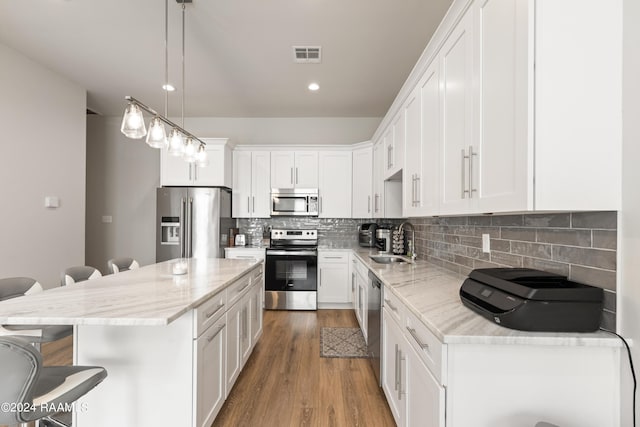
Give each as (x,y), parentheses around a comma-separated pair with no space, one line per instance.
(291,279)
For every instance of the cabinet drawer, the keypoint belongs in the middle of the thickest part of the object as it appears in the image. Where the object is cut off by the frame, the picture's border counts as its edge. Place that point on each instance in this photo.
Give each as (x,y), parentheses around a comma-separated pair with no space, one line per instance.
(242,253)
(239,288)
(333,257)
(207,313)
(361,268)
(393,305)
(256,275)
(426,344)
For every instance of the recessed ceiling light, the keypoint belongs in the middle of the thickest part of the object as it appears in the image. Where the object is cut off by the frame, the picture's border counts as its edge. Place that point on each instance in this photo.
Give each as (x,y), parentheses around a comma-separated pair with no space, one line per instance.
(168,87)
(314,86)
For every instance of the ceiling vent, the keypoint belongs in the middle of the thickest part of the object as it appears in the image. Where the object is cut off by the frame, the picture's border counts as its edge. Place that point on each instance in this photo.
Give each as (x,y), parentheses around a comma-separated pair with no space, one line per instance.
(307,54)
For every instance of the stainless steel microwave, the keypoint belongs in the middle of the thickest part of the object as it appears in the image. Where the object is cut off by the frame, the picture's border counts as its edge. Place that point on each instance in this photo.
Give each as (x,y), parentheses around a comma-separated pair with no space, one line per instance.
(294,202)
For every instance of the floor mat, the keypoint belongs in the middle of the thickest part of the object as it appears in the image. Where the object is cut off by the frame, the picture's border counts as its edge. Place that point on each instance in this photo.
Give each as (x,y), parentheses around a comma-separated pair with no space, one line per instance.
(342,342)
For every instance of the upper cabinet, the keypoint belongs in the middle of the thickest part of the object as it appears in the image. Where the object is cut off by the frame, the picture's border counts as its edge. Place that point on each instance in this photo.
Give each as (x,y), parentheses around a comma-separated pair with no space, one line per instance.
(335,184)
(174,171)
(251,197)
(394,144)
(294,169)
(362,185)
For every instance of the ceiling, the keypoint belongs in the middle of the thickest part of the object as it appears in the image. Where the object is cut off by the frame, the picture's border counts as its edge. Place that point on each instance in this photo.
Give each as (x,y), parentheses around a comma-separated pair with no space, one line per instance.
(239,57)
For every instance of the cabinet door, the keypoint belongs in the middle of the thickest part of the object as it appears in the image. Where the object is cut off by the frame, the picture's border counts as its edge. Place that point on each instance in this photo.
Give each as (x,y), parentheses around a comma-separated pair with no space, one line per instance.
(378,180)
(257,295)
(412,173)
(210,379)
(425,397)
(282,169)
(395,153)
(305,174)
(363,286)
(214,173)
(241,195)
(335,184)
(260,184)
(245,328)
(234,355)
(456,75)
(391,352)
(174,170)
(427,185)
(503,172)
(361,197)
(333,283)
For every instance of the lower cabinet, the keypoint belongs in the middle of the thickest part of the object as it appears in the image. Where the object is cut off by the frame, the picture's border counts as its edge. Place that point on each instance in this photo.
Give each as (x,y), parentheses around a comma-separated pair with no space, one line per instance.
(360,288)
(333,279)
(210,383)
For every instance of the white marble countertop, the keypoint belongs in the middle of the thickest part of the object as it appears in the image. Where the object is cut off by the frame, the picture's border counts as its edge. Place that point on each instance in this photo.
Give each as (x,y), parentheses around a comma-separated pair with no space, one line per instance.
(149,296)
(432,294)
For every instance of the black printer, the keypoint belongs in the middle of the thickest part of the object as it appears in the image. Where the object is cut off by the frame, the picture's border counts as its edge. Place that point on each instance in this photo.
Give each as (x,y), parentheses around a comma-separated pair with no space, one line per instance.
(532,300)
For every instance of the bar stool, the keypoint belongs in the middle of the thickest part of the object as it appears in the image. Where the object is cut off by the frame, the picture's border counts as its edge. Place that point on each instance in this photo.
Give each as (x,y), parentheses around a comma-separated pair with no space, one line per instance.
(13,287)
(79,274)
(39,391)
(117,265)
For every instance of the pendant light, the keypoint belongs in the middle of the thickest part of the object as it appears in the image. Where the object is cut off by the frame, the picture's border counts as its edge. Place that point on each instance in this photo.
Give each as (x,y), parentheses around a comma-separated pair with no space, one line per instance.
(192,149)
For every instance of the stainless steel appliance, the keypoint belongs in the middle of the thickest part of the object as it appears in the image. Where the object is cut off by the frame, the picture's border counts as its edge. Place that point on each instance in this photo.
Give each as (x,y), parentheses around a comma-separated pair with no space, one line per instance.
(192,222)
(383,239)
(532,300)
(374,313)
(294,202)
(367,234)
(291,268)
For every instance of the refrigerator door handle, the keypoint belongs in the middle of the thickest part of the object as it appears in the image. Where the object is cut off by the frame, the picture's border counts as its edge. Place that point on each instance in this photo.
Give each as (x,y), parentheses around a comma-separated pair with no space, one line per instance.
(189,249)
(183,226)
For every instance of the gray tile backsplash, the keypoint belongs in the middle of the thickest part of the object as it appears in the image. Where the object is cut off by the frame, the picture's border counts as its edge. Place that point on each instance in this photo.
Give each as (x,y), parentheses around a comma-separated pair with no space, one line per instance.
(580,245)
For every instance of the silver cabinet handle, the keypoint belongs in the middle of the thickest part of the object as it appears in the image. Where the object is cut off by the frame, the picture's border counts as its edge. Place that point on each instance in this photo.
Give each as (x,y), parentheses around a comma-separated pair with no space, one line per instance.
(462,178)
(240,291)
(418,199)
(401,392)
(291,176)
(332,257)
(195,172)
(376,203)
(320,277)
(396,369)
(215,334)
(388,303)
(211,313)
(369,204)
(296,175)
(353,282)
(415,337)
(249,204)
(471,154)
(320,204)
(253,199)
(189,171)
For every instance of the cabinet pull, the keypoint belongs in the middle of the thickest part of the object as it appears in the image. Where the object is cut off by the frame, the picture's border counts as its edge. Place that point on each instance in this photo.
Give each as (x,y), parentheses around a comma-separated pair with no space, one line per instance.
(471,154)
(195,172)
(391,156)
(215,334)
(388,303)
(320,277)
(253,204)
(332,257)
(376,203)
(401,392)
(189,172)
(296,176)
(249,204)
(320,204)
(417,190)
(211,313)
(462,178)
(368,204)
(291,176)
(353,282)
(415,337)
(248,284)
(396,369)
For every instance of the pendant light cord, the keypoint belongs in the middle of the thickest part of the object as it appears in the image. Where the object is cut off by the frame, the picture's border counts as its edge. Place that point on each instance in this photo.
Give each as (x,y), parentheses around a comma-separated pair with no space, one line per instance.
(183,78)
(166,58)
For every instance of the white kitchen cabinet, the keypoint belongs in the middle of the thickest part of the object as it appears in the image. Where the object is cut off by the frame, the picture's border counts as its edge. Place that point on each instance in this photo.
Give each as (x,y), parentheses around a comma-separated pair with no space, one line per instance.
(174,171)
(392,340)
(233,345)
(334,188)
(378,179)
(394,144)
(333,279)
(362,186)
(245,328)
(294,169)
(360,287)
(354,289)
(412,173)
(209,378)
(251,184)
(256,306)
(240,252)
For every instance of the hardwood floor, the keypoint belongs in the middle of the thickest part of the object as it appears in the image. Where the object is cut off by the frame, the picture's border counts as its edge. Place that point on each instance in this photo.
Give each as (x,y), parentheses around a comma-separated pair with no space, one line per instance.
(287,383)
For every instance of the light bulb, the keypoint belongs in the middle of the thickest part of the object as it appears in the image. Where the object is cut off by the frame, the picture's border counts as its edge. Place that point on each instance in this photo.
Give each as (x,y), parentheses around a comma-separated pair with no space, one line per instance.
(190,150)
(133,122)
(176,144)
(157,136)
(201,157)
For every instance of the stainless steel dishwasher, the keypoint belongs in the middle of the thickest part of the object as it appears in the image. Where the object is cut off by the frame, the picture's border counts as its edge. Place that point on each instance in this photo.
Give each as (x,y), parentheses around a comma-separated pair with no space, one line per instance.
(374,317)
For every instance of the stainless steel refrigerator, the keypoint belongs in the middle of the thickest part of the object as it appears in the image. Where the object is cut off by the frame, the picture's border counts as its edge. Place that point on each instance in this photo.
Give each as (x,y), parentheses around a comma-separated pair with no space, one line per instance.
(192,222)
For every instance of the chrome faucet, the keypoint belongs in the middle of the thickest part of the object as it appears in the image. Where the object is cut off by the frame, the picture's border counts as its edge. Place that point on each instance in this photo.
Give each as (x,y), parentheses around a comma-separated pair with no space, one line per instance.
(410,243)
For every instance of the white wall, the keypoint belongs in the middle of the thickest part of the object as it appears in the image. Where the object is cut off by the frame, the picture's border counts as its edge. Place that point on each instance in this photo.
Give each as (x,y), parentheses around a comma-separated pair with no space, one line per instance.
(122,177)
(42,153)
(301,130)
(629,218)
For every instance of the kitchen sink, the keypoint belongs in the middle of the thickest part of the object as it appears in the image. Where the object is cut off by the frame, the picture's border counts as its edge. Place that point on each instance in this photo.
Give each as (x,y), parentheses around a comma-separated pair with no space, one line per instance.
(387,259)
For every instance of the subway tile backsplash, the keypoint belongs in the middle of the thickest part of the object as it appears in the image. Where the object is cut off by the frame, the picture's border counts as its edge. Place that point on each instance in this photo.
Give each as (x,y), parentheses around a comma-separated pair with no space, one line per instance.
(580,245)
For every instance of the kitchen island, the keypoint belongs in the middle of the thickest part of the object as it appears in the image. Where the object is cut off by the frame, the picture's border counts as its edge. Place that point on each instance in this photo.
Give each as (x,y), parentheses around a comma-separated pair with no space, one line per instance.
(173,345)
(445,365)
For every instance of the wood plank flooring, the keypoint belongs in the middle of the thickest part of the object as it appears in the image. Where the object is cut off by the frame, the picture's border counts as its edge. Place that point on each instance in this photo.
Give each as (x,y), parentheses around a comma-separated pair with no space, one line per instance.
(287,383)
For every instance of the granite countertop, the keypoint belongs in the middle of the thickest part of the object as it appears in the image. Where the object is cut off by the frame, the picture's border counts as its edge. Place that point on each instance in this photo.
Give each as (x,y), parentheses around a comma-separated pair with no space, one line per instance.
(148,296)
(432,294)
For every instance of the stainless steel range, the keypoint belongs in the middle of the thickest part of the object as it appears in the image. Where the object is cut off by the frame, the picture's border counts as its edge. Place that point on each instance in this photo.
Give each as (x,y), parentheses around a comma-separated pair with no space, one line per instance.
(291,270)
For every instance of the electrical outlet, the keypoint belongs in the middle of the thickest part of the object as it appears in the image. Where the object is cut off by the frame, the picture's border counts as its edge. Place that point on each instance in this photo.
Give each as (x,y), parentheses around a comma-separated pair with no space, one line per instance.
(486,243)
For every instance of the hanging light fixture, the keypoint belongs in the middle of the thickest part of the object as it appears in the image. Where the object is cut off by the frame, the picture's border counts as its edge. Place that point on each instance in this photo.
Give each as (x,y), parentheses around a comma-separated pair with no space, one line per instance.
(192,149)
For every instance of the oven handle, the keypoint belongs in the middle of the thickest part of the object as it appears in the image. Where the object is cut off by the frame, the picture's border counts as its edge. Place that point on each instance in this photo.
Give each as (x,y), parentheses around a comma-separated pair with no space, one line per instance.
(293,253)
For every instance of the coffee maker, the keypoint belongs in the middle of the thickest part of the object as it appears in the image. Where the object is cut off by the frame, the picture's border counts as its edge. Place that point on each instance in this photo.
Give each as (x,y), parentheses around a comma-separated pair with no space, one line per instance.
(383,239)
